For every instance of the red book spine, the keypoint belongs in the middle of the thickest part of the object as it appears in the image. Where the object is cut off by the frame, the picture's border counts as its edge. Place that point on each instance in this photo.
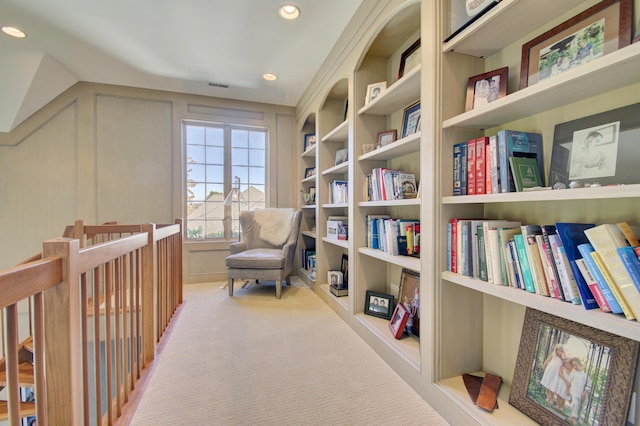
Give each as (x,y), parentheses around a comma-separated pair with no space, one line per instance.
(471,167)
(480,165)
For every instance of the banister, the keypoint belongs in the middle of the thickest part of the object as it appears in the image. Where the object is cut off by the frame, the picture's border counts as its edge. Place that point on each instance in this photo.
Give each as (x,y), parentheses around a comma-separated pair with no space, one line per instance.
(22,281)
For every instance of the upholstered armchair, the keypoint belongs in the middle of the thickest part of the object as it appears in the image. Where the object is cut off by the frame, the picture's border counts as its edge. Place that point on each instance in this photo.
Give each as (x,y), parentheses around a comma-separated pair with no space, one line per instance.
(267,249)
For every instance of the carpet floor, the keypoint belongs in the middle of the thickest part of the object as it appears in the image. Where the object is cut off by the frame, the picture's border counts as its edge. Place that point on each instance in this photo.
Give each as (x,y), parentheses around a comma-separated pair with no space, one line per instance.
(255,360)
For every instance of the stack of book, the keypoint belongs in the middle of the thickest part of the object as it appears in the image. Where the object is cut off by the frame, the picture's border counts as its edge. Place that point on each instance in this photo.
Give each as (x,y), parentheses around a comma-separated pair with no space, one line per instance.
(308,261)
(393,236)
(339,192)
(580,263)
(499,163)
(389,184)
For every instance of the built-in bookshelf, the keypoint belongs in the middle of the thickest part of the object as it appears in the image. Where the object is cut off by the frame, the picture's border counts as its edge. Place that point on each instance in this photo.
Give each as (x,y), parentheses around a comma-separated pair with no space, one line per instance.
(308,185)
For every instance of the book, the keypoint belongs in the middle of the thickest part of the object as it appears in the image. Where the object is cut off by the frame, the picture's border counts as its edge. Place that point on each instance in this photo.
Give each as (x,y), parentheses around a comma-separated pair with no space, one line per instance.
(495,169)
(612,300)
(626,309)
(482,257)
(565,274)
(547,269)
(630,233)
(605,239)
(631,262)
(512,143)
(480,165)
(529,233)
(506,262)
(550,260)
(525,173)
(488,184)
(460,168)
(492,248)
(591,282)
(523,261)
(515,263)
(572,235)
(471,167)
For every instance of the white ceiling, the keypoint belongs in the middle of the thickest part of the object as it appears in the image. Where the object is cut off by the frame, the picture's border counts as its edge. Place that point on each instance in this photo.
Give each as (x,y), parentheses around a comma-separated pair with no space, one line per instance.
(177,46)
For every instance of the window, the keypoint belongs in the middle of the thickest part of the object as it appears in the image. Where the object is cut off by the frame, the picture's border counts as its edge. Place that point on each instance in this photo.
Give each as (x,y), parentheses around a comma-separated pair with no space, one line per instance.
(216,154)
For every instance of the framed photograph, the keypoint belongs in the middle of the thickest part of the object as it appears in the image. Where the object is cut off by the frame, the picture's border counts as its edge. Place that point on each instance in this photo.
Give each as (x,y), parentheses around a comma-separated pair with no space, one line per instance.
(464,12)
(374,90)
(386,137)
(409,296)
(378,304)
(570,374)
(342,155)
(599,30)
(601,149)
(345,116)
(344,268)
(411,119)
(309,140)
(309,172)
(398,321)
(486,88)
(335,278)
(410,59)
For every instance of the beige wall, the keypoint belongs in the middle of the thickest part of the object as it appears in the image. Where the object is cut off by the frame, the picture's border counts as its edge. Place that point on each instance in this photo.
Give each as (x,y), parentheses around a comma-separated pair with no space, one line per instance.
(101,153)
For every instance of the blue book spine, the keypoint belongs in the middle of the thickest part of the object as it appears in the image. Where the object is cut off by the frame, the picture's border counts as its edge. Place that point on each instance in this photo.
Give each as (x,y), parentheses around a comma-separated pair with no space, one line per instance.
(631,262)
(375,237)
(457,170)
(585,249)
(510,142)
(463,168)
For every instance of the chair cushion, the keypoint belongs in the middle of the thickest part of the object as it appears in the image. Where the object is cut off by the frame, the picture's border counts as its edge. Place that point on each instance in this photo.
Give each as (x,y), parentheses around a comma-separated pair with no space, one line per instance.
(260,258)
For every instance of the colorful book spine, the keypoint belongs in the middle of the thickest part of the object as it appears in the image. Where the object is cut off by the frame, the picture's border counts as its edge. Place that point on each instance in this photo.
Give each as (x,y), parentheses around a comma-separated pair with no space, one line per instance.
(586,249)
(488,183)
(495,166)
(471,167)
(568,282)
(524,263)
(533,255)
(515,143)
(591,282)
(631,262)
(626,309)
(480,165)
(457,169)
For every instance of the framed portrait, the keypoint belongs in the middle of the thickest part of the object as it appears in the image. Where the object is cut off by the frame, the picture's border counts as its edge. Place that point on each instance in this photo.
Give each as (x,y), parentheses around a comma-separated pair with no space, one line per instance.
(599,30)
(374,90)
(344,268)
(309,172)
(342,155)
(409,296)
(378,304)
(410,58)
(386,137)
(601,149)
(411,119)
(568,373)
(485,88)
(309,140)
(335,278)
(398,321)
(464,12)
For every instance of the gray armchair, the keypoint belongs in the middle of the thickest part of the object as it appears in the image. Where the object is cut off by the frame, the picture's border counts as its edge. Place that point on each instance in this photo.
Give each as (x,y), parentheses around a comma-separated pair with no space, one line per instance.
(267,249)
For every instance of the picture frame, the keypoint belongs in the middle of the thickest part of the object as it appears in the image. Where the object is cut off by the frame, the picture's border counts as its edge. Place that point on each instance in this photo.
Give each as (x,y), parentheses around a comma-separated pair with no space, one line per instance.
(374,90)
(342,156)
(344,268)
(335,278)
(378,304)
(309,140)
(409,296)
(386,137)
(595,32)
(398,321)
(410,58)
(465,12)
(309,172)
(345,116)
(604,359)
(411,119)
(598,150)
(485,88)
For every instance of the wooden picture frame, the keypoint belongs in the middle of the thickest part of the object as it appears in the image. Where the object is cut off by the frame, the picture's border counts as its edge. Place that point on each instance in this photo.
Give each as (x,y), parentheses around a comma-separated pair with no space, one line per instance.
(410,58)
(549,342)
(409,296)
(464,13)
(309,141)
(600,149)
(599,30)
(411,119)
(398,321)
(342,156)
(485,88)
(344,268)
(374,90)
(386,137)
(309,172)
(378,304)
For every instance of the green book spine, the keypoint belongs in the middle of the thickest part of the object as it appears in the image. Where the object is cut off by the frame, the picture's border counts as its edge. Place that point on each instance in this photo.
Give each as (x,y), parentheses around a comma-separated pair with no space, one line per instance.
(524,263)
(482,257)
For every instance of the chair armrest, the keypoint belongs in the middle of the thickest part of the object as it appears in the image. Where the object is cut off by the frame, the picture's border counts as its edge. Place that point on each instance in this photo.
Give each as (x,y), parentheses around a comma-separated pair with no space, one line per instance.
(288,251)
(237,247)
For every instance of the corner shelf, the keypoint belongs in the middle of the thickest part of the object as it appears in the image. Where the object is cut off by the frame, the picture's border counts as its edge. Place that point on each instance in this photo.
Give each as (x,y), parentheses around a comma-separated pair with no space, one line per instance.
(396,95)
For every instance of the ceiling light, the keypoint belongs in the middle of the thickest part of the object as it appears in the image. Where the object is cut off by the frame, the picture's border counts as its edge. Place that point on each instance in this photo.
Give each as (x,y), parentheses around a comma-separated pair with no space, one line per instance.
(289,11)
(13,32)
(269,76)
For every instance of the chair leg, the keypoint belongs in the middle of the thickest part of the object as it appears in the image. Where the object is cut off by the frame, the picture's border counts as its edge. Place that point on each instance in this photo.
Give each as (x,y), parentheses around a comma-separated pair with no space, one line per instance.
(278,288)
(230,285)
(288,280)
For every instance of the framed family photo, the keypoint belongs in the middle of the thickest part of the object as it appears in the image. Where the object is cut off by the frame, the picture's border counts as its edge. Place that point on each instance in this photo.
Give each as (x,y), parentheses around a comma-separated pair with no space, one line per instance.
(309,140)
(410,59)
(599,30)
(374,90)
(570,374)
(386,137)
(411,119)
(378,304)
(342,155)
(344,268)
(398,321)
(309,172)
(485,88)
(409,296)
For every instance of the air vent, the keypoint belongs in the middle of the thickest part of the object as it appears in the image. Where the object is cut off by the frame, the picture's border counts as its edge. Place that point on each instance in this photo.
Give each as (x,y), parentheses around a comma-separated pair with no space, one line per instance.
(221,85)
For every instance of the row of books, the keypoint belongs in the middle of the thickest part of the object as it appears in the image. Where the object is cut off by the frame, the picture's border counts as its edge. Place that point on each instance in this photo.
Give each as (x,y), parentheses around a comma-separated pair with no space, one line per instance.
(482,165)
(308,261)
(392,235)
(339,192)
(596,266)
(384,184)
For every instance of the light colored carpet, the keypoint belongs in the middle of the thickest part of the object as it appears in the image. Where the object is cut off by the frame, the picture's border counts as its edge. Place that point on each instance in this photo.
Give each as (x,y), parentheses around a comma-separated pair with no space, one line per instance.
(256,360)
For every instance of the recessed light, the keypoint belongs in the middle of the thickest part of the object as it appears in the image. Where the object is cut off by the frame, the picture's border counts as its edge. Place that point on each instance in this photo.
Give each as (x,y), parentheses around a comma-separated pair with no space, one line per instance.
(13,32)
(269,76)
(289,11)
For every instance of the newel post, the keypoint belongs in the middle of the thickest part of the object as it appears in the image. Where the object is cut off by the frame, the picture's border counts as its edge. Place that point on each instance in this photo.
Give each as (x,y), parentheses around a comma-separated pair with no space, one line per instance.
(149,296)
(62,337)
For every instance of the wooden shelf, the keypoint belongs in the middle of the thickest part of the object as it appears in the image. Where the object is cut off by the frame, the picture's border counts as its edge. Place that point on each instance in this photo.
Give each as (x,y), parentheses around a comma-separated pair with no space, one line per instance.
(310,152)
(340,243)
(396,95)
(407,145)
(342,301)
(339,134)
(408,262)
(339,169)
(308,234)
(335,205)
(391,203)
(310,179)
(408,348)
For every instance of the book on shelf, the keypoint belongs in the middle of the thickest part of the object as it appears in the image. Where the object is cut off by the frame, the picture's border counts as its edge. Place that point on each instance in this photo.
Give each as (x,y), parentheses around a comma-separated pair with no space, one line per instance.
(586,250)
(572,235)
(495,167)
(481,164)
(339,192)
(492,247)
(507,267)
(549,262)
(512,143)
(475,259)
(515,264)
(488,185)
(547,273)
(529,232)
(630,233)
(626,308)
(385,184)
(565,274)
(525,173)
(593,285)
(449,247)
(471,167)
(630,260)
(523,261)
(460,168)
(482,256)
(373,234)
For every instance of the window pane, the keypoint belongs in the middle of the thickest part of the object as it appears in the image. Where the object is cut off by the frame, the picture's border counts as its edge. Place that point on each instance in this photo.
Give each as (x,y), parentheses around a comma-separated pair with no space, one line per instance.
(195,154)
(256,157)
(215,155)
(240,157)
(215,136)
(195,173)
(198,190)
(257,140)
(241,172)
(195,135)
(239,138)
(256,176)
(216,174)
